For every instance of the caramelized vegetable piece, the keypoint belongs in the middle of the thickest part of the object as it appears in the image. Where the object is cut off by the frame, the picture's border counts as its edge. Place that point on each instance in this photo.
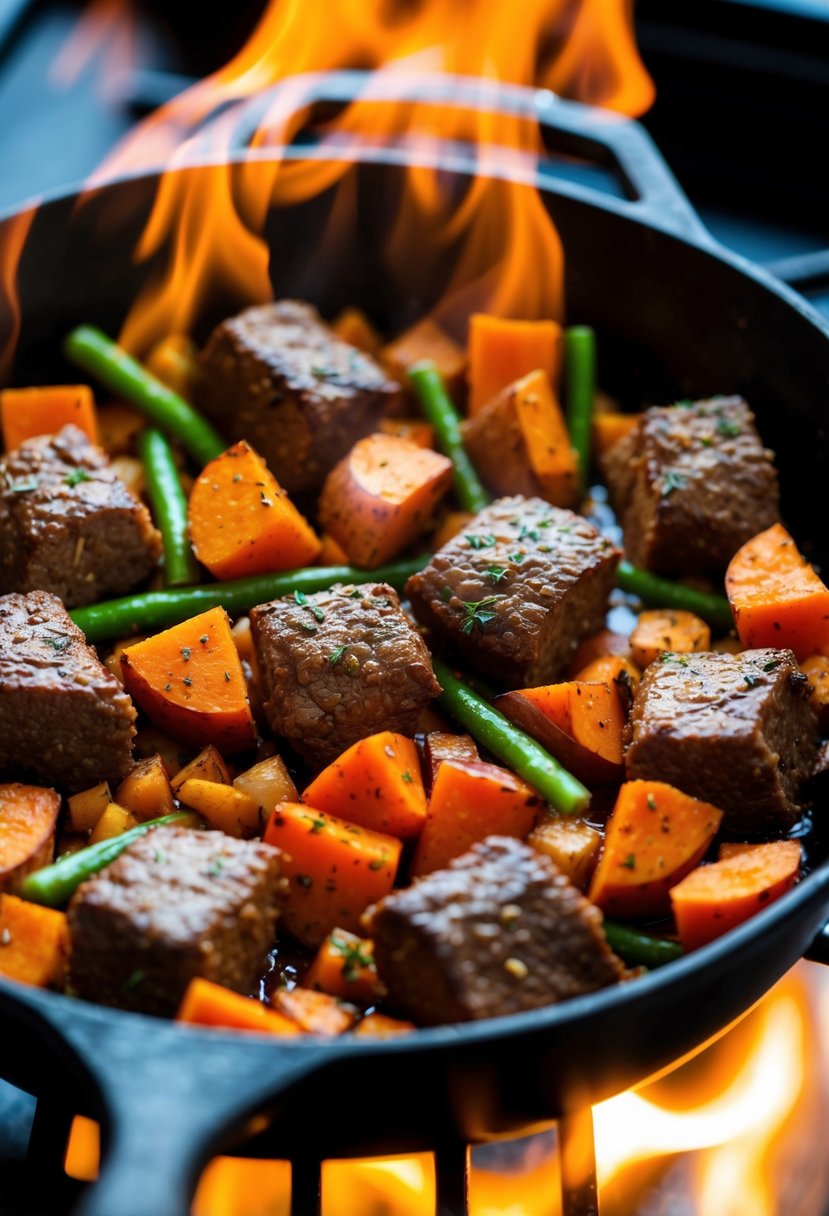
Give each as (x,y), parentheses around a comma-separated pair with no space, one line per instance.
(113,822)
(27,412)
(208,1004)
(173,362)
(441,745)
(716,898)
(354,327)
(731,848)
(654,837)
(609,428)
(146,790)
(414,429)
(470,801)
(28,820)
(452,523)
(571,843)
(673,631)
(775,596)
(501,351)
(382,496)
(381,1026)
(228,809)
(336,869)
(619,673)
(87,807)
(599,646)
(207,766)
(314,1012)
(344,967)
(520,445)
(375,783)
(816,670)
(426,340)
(268,783)
(580,724)
(242,522)
(34,942)
(189,680)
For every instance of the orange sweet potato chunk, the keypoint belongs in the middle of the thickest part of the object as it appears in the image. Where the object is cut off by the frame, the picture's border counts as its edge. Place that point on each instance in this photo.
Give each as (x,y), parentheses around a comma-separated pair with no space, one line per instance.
(27,412)
(28,820)
(580,724)
(502,350)
(34,942)
(375,783)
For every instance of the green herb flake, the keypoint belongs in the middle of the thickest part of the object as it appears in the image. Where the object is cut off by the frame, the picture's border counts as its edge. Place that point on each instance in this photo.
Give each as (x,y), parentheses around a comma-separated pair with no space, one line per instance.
(58,642)
(354,957)
(480,542)
(496,573)
(771,665)
(132,981)
(651,802)
(377,863)
(517,557)
(728,428)
(76,476)
(305,881)
(215,868)
(159,857)
(336,655)
(407,777)
(185,653)
(751,680)
(478,612)
(528,533)
(302,599)
(23,485)
(317,825)
(446,593)
(673,480)
(630,862)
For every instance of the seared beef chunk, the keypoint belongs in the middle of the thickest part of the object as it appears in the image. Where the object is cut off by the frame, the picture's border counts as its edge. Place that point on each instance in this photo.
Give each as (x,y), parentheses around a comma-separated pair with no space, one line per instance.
(340,665)
(692,483)
(175,905)
(68,524)
(499,931)
(518,589)
(277,376)
(734,730)
(64,720)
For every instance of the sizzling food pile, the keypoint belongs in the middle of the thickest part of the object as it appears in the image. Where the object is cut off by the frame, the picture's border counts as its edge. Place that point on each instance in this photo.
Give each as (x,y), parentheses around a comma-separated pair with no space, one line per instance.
(518,784)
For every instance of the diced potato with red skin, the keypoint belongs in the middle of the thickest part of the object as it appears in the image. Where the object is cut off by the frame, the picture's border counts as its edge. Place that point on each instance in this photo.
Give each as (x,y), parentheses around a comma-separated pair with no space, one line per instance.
(571,843)
(713,899)
(580,724)
(375,783)
(382,496)
(816,670)
(114,822)
(208,765)
(146,790)
(268,783)
(28,822)
(470,801)
(34,942)
(336,870)
(659,631)
(344,967)
(654,837)
(228,809)
(87,807)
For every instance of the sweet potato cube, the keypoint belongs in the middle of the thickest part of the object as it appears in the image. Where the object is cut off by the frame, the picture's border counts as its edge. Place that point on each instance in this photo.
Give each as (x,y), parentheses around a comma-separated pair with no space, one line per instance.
(571,843)
(381,1026)
(609,426)
(502,351)
(336,870)
(208,765)
(440,745)
(209,1004)
(654,837)
(816,671)
(519,443)
(673,631)
(242,521)
(382,496)
(146,790)
(314,1012)
(375,783)
(34,942)
(580,724)
(27,412)
(114,821)
(87,807)
(426,340)
(713,899)
(344,967)
(28,821)
(353,326)
(414,429)
(189,680)
(616,671)
(470,801)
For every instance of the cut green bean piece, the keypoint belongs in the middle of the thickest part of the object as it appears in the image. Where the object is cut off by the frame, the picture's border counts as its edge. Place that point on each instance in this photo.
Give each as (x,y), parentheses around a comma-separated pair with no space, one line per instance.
(158,609)
(580,391)
(528,759)
(169,506)
(639,949)
(55,885)
(438,408)
(665,593)
(97,354)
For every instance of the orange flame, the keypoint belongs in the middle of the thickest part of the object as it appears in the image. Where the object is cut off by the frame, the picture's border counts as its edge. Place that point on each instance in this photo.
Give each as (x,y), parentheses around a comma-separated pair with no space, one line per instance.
(13,234)
(206,224)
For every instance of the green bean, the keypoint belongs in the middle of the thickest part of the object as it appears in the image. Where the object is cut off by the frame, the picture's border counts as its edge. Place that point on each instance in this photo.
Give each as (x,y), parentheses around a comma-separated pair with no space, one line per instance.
(55,885)
(516,749)
(158,609)
(665,593)
(97,354)
(169,506)
(437,406)
(640,949)
(580,389)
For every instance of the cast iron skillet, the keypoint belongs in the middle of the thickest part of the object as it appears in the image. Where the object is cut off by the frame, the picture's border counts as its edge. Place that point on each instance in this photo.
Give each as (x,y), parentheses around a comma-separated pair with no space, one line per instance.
(678,315)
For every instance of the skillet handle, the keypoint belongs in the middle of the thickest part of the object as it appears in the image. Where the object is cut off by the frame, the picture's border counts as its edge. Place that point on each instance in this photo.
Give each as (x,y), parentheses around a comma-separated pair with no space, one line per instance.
(806,272)
(818,952)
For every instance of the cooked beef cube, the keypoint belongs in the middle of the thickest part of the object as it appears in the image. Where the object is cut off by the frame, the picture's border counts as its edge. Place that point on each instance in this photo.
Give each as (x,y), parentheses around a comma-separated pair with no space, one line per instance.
(64,719)
(175,905)
(691,484)
(68,524)
(277,376)
(518,589)
(499,931)
(736,730)
(340,665)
